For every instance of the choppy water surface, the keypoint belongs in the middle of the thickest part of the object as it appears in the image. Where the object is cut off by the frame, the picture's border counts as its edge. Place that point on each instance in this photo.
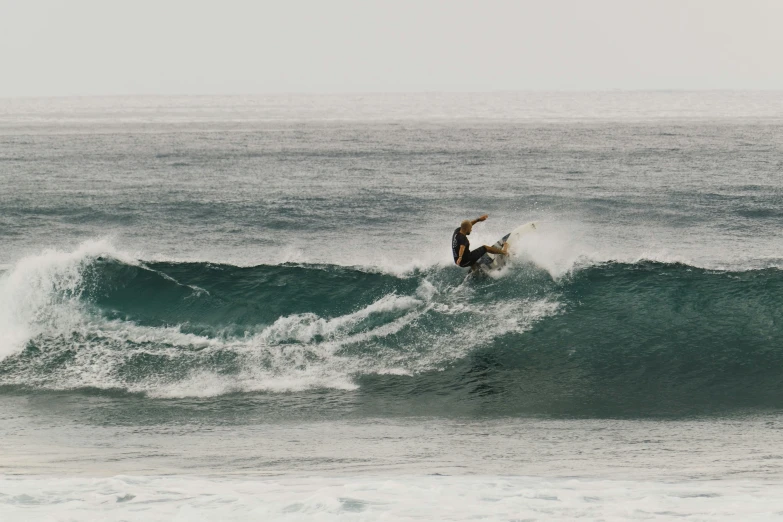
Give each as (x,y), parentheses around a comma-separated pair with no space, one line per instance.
(252,291)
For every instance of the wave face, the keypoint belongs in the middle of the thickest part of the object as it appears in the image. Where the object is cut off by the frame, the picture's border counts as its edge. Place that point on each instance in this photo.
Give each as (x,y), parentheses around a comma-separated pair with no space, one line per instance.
(641,338)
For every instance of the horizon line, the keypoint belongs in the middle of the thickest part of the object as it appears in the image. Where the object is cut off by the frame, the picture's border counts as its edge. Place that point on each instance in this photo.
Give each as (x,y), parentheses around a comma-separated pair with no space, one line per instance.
(382,92)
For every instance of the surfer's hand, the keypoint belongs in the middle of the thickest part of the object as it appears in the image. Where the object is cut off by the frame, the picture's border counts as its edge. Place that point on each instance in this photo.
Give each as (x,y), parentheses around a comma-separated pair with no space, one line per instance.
(484,217)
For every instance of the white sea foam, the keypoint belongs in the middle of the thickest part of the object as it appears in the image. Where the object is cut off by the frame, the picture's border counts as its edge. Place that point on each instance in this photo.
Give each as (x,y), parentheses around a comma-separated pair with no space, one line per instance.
(305,327)
(42,291)
(295,367)
(403,498)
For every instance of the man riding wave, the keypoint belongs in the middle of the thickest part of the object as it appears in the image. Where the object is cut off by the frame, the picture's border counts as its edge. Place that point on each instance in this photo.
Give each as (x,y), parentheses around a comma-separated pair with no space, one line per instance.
(460,245)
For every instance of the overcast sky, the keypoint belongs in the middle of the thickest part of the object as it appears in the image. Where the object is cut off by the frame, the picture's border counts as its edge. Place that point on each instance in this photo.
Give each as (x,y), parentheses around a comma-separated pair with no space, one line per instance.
(95,47)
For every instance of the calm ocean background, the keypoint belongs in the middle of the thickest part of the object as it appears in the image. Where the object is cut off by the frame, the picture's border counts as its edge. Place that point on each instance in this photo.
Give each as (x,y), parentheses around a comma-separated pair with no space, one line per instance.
(245,308)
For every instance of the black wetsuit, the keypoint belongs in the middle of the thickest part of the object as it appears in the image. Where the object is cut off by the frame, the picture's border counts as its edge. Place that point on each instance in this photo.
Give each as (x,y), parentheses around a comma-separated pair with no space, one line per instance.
(468,257)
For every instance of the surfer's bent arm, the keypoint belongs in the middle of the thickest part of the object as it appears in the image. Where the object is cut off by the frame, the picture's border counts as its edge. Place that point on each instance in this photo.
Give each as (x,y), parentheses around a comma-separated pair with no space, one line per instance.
(459,257)
(482,218)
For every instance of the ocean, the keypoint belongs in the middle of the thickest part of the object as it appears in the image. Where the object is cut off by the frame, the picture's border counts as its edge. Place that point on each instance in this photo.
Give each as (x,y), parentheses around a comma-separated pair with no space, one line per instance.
(245,307)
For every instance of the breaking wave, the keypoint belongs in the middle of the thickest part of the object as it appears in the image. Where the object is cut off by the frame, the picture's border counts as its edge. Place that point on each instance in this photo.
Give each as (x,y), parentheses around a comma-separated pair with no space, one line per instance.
(607,338)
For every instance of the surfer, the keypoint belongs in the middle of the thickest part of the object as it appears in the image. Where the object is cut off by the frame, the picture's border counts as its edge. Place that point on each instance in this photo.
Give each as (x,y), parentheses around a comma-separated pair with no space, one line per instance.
(460,246)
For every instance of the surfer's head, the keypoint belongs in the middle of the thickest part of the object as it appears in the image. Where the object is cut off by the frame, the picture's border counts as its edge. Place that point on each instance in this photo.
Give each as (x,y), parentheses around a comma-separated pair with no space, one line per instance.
(465,227)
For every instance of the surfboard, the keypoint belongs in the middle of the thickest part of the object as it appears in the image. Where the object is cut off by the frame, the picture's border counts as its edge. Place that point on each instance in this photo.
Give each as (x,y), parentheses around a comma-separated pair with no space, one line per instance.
(489,262)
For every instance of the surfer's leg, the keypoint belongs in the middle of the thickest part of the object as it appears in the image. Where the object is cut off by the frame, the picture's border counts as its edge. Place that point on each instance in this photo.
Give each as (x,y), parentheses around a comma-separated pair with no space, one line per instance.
(473,256)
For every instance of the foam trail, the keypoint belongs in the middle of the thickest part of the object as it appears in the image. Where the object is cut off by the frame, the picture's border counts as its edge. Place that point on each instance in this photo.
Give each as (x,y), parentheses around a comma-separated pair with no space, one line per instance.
(305,327)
